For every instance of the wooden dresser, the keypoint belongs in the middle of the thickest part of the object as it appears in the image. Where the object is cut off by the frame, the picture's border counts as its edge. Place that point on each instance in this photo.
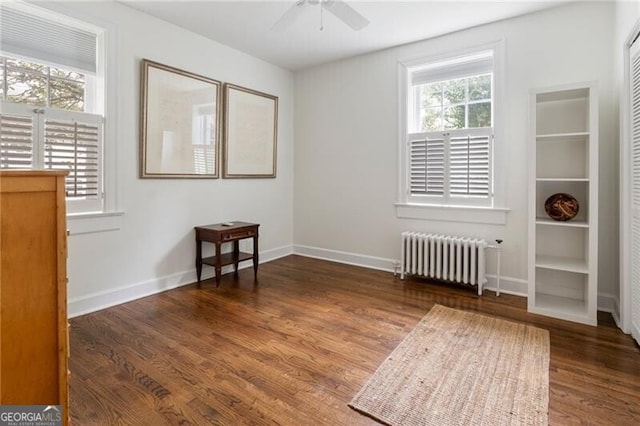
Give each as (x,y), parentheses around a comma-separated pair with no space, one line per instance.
(33,289)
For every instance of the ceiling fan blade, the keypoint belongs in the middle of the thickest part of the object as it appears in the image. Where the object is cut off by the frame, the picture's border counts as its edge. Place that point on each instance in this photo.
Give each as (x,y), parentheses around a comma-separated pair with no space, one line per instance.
(289,16)
(346,14)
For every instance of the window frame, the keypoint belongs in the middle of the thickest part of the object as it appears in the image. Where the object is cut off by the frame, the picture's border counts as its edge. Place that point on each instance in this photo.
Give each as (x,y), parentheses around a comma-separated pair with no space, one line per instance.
(495,213)
(41,114)
(103,101)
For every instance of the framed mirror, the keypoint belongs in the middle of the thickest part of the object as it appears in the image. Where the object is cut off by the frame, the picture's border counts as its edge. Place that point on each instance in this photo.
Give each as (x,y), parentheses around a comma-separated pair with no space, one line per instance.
(250,133)
(179,123)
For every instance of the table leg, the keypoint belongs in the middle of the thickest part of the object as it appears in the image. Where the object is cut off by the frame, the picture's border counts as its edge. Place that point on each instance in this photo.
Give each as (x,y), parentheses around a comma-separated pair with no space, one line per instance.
(218,266)
(198,259)
(236,255)
(255,257)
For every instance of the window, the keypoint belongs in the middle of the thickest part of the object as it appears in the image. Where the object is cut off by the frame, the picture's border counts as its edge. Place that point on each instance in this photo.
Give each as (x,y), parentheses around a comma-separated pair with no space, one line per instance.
(50,116)
(454,104)
(449,138)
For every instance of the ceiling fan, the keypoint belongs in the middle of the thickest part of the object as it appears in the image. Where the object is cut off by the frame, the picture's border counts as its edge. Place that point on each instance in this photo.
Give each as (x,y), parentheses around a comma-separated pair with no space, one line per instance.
(338,8)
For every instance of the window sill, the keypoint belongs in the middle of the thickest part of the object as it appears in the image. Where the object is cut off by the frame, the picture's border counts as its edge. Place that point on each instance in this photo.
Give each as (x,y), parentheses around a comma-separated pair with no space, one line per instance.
(486,215)
(89,223)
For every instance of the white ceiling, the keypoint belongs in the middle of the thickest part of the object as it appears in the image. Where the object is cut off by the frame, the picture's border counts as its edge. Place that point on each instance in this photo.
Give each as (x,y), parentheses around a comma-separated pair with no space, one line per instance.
(246,25)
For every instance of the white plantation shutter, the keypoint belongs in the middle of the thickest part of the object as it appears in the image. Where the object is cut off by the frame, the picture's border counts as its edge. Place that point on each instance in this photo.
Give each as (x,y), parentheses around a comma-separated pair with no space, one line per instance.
(46,138)
(470,168)
(16,141)
(427,169)
(74,146)
(454,164)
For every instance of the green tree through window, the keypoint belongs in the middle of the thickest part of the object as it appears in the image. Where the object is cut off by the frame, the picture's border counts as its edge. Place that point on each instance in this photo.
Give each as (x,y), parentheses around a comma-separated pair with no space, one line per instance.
(41,85)
(455,104)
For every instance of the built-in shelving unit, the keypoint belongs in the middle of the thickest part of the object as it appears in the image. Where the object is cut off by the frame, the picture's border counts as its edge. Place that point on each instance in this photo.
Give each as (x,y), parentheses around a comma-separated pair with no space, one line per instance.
(563,270)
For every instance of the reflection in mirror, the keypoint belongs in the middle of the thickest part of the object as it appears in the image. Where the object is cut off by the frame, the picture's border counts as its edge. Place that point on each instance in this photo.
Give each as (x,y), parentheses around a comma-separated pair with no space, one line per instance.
(180,123)
(204,138)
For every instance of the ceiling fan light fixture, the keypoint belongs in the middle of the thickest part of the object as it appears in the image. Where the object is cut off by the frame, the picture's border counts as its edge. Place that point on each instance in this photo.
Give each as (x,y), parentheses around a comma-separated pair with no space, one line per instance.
(338,8)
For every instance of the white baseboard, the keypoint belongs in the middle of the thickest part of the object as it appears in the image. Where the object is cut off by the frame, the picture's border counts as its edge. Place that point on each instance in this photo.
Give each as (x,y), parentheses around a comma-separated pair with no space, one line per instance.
(104,299)
(508,285)
(371,262)
(635,332)
(610,303)
(107,298)
(273,254)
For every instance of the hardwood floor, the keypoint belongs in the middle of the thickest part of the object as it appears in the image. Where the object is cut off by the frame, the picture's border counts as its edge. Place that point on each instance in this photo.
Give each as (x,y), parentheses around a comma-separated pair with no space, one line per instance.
(293,349)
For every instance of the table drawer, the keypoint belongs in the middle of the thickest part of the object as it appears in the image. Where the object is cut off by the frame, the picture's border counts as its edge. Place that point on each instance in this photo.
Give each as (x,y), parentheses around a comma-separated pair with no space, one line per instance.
(238,234)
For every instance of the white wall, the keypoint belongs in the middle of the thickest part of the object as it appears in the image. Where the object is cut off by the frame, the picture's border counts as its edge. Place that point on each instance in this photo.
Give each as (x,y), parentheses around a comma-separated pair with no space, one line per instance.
(346,140)
(154,249)
(345,153)
(626,17)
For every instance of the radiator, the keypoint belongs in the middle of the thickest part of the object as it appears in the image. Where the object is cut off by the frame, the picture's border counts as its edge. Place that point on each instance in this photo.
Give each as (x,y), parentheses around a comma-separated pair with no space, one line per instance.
(444,257)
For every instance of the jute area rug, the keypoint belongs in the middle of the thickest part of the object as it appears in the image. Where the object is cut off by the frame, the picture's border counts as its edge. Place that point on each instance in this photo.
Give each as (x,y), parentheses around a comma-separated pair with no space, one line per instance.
(460,368)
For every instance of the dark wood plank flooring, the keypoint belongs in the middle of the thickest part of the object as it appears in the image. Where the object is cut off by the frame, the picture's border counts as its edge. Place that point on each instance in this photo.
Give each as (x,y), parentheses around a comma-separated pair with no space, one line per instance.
(293,349)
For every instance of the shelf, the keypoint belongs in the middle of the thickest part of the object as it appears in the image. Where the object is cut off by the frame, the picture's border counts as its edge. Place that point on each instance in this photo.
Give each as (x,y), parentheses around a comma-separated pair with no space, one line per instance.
(567,224)
(227,259)
(577,187)
(558,303)
(562,264)
(557,114)
(562,307)
(554,242)
(563,94)
(563,158)
(559,179)
(562,254)
(561,137)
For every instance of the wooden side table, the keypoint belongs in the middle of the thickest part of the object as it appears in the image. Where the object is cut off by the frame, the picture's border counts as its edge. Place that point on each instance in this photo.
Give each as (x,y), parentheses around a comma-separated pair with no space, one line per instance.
(220,233)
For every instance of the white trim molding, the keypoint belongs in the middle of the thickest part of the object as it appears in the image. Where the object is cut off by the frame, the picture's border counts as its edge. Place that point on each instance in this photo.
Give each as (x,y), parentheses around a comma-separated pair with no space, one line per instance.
(101,300)
(88,223)
(508,285)
(611,304)
(371,262)
(104,299)
(486,215)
